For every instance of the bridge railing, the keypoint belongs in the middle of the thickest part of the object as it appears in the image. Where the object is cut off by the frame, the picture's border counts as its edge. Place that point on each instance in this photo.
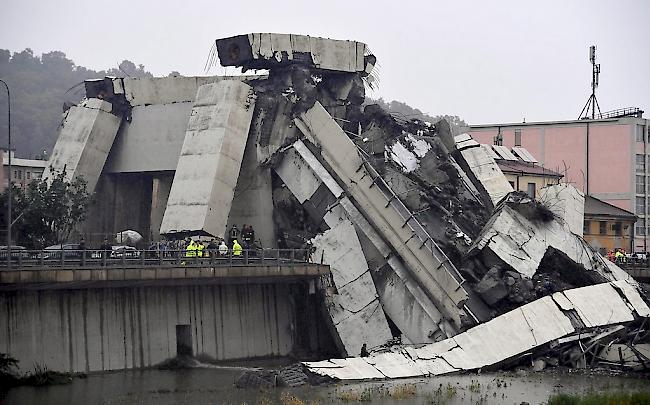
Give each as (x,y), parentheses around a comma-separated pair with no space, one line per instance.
(137,258)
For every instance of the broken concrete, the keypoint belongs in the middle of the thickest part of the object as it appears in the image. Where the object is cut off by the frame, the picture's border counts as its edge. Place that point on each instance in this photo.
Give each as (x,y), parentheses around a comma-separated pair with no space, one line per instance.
(521,231)
(403,299)
(355,309)
(208,168)
(482,170)
(401,220)
(264,50)
(529,328)
(85,139)
(433,270)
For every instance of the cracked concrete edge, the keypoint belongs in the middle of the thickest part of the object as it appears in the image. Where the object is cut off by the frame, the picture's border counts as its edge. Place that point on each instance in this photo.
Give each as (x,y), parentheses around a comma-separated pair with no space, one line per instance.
(439,351)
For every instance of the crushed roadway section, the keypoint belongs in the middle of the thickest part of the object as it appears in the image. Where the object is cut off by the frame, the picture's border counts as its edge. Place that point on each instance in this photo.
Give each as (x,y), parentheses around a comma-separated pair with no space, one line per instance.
(514,333)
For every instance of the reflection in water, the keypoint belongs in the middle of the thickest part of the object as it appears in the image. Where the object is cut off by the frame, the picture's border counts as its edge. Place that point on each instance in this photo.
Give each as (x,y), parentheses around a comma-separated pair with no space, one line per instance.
(215,387)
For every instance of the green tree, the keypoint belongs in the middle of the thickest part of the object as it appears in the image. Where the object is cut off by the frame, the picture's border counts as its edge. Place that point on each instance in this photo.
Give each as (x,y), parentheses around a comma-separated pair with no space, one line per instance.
(46,214)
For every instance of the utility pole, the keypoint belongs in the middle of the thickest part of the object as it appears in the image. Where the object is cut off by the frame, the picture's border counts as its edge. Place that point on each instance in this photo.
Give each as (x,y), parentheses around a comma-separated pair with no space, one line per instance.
(9,182)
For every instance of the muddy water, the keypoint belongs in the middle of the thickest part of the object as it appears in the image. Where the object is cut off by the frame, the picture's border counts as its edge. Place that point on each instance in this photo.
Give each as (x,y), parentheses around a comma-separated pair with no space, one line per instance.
(214,386)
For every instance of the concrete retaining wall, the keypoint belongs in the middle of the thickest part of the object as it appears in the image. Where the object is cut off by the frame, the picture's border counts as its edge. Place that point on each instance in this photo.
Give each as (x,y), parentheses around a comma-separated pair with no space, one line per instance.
(119,328)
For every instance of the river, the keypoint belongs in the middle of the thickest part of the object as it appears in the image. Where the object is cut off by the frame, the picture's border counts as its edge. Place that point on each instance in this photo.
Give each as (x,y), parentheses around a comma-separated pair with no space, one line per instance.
(215,387)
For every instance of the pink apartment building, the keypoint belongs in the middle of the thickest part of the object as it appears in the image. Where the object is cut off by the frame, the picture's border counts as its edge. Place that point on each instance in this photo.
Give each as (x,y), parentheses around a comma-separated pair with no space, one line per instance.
(606,158)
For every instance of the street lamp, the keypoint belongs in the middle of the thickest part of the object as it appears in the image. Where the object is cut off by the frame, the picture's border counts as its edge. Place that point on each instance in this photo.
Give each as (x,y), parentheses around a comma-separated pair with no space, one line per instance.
(9,183)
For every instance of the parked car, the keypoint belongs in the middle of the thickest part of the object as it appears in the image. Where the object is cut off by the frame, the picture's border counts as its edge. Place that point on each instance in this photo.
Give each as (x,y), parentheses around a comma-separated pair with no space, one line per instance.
(128,252)
(16,252)
(637,257)
(68,250)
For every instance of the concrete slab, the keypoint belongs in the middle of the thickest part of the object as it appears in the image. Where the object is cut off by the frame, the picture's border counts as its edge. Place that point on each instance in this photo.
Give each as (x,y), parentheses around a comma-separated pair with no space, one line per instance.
(210,161)
(144,91)
(402,298)
(599,305)
(519,331)
(483,172)
(85,139)
(152,141)
(391,219)
(633,297)
(265,50)
(521,243)
(356,313)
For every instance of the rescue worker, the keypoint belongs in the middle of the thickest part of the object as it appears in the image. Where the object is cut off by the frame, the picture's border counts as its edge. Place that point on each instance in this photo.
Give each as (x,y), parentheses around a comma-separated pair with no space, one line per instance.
(190,249)
(199,248)
(234,234)
(619,256)
(248,235)
(223,249)
(212,248)
(236,248)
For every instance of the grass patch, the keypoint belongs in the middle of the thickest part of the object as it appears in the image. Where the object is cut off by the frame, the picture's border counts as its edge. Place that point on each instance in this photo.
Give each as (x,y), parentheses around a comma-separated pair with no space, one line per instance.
(364,395)
(475,386)
(403,391)
(442,395)
(610,398)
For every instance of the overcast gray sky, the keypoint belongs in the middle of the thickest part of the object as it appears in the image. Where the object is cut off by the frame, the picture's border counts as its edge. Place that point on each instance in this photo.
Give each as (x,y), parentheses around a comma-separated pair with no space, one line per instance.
(487,61)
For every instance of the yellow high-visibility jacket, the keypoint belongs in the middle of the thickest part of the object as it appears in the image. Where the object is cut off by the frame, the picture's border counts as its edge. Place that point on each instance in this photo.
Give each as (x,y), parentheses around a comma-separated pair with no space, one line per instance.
(236,248)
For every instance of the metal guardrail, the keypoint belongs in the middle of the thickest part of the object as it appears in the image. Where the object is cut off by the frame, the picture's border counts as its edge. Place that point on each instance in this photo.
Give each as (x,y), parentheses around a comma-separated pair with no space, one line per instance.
(622,112)
(138,258)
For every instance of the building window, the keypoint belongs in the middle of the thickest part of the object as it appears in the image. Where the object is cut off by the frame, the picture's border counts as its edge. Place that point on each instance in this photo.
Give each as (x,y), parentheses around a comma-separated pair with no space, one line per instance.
(639,133)
(640,205)
(585,227)
(29,175)
(617,227)
(498,140)
(530,190)
(640,163)
(640,184)
(602,227)
(517,137)
(640,230)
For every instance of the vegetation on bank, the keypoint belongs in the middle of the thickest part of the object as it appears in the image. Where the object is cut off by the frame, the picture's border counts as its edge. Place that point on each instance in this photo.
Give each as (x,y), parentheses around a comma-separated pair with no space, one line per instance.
(39,376)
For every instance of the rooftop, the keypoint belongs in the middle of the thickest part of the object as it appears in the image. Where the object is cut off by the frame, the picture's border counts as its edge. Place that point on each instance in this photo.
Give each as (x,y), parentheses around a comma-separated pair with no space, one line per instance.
(621,120)
(518,166)
(594,206)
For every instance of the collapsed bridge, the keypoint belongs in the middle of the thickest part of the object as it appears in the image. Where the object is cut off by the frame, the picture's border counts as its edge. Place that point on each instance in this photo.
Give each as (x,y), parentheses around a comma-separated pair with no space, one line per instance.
(425,238)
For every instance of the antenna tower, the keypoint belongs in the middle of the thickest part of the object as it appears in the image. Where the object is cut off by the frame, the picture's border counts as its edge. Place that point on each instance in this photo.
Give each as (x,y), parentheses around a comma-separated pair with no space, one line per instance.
(592,102)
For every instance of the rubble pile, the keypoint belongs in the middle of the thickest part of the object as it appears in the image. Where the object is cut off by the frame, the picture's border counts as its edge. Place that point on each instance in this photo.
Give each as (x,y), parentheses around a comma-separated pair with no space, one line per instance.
(426,240)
